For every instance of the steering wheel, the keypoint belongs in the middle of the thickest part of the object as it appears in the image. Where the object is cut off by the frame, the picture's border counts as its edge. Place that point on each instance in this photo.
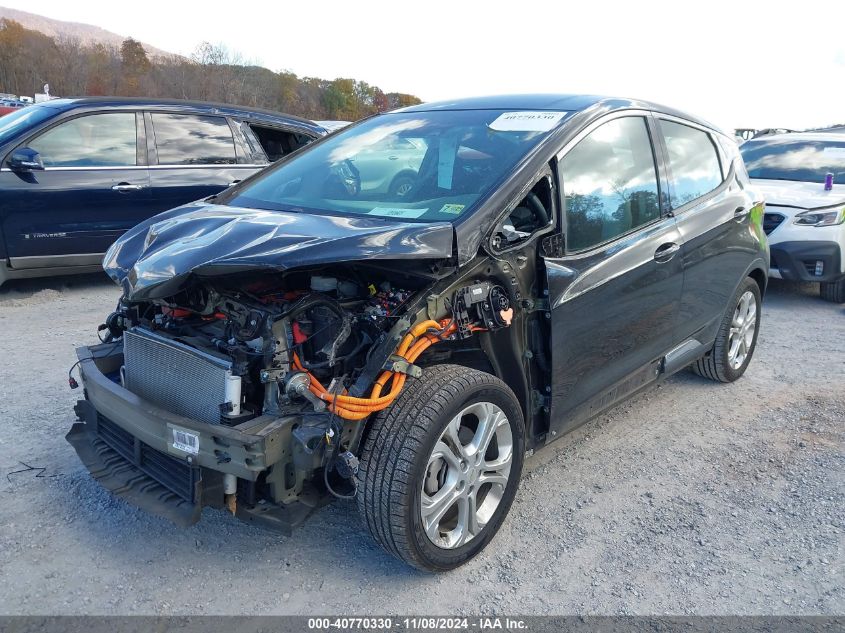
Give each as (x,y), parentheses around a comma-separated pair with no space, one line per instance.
(530,215)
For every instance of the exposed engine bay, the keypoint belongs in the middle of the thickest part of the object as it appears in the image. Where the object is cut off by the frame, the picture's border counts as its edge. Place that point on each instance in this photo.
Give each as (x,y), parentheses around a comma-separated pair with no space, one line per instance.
(330,346)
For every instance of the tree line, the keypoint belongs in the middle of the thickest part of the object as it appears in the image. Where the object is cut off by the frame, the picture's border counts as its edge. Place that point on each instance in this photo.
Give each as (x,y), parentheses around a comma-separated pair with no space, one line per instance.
(29,59)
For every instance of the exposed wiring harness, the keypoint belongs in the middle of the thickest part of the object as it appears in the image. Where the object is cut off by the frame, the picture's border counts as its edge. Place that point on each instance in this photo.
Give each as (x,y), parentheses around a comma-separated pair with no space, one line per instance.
(71,381)
(334,451)
(415,342)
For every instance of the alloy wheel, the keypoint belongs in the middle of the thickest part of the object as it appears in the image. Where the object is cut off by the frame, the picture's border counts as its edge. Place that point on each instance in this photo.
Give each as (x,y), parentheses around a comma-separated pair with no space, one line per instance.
(742,330)
(466,475)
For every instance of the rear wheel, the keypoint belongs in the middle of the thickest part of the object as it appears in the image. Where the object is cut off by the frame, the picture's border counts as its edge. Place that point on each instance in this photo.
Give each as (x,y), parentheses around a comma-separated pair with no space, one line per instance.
(833,291)
(737,337)
(440,467)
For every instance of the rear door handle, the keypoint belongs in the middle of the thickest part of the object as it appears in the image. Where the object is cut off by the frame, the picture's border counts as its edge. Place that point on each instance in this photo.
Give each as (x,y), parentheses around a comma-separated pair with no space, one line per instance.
(740,213)
(233,183)
(666,252)
(124,187)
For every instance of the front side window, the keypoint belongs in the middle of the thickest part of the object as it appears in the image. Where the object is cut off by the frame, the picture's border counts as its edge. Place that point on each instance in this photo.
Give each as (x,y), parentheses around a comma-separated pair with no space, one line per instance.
(95,140)
(693,162)
(187,139)
(12,124)
(412,166)
(783,158)
(610,183)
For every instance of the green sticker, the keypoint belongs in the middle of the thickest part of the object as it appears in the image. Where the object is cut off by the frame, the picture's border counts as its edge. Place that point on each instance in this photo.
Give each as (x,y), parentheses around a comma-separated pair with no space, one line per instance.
(454,209)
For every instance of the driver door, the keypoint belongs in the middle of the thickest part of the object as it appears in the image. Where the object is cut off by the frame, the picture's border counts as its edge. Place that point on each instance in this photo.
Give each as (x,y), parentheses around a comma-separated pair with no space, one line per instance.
(94,186)
(615,293)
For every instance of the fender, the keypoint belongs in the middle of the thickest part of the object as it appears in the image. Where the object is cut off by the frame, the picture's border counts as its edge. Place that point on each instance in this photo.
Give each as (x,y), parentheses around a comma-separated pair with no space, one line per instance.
(758,270)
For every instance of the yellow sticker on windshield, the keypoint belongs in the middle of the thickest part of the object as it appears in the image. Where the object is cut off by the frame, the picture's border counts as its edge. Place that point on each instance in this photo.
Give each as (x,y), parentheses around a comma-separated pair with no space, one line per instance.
(454,209)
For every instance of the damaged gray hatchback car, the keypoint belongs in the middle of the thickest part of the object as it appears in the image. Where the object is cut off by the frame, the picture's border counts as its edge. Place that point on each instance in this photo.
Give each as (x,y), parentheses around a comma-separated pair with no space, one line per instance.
(311,333)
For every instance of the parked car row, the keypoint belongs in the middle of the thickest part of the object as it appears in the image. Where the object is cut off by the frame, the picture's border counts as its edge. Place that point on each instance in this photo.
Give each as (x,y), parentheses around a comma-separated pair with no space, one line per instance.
(8,106)
(77,173)
(111,163)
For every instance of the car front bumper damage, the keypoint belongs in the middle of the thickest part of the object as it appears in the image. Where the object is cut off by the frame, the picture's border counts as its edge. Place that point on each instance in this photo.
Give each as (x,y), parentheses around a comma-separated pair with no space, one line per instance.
(127,445)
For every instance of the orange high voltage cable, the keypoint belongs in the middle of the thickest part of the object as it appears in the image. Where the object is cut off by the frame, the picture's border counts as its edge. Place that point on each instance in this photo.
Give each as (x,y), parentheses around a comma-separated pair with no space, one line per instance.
(412,346)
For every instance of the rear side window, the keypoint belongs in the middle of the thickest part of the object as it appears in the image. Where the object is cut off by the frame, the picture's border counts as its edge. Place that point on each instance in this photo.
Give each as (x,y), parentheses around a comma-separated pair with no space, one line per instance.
(277,143)
(95,140)
(610,183)
(693,162)
(187,139)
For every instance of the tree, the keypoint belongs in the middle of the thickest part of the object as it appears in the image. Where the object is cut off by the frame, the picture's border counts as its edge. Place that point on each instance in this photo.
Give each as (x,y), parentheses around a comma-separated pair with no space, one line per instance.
(29,59)
(134,66)
(133,57)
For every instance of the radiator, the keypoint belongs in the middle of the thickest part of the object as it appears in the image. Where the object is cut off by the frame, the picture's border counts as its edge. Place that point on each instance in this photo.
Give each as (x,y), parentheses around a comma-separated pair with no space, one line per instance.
(177,377)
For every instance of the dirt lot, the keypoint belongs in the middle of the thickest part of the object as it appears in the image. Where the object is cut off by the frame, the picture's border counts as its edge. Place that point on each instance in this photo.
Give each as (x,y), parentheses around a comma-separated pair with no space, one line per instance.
(693,498)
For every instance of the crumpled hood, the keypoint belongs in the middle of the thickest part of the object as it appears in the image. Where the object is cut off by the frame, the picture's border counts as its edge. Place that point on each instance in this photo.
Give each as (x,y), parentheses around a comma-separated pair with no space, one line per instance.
(155,258)
(806,195)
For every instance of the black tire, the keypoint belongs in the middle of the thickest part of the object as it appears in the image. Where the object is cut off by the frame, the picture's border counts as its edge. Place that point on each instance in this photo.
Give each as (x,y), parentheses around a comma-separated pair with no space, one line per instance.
(833,291)
(401,186)
(715,365)
(396,454)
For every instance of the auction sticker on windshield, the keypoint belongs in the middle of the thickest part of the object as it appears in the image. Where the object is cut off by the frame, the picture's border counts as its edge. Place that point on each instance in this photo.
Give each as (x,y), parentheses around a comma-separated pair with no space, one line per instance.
(396,212)
(526,121)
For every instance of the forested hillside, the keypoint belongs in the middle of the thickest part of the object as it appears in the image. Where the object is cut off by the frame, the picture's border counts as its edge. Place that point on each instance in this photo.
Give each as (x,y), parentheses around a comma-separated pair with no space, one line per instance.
(29,59)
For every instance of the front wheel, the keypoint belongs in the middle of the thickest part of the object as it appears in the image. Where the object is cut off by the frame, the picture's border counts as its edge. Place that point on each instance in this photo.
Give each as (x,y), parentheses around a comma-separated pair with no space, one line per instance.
(440,467)
(728,359)
(833,290)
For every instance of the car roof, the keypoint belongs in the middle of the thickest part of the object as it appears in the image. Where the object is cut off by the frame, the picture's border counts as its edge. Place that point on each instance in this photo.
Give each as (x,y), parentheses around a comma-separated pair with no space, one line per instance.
(800,136)
(567,102)
(553,102)
(72,103)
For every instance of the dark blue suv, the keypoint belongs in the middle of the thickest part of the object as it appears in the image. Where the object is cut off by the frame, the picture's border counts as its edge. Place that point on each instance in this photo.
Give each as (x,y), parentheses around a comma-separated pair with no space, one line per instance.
(77,173)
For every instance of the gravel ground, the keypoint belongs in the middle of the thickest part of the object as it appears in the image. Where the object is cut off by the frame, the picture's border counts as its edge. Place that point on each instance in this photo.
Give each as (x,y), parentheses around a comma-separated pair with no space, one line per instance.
(694,498)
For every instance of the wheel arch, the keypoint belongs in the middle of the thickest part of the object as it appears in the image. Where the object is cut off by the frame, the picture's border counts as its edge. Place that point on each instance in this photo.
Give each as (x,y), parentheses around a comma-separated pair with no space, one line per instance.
(761,277)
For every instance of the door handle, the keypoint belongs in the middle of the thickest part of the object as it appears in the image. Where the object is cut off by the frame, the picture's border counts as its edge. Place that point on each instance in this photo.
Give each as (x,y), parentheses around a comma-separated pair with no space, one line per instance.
(740,213)
(125,187)
(233,183)
(392,157)
(666,252)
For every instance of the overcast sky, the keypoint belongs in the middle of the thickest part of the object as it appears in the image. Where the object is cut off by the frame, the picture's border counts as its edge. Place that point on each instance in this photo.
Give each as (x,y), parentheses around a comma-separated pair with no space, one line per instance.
(736,63)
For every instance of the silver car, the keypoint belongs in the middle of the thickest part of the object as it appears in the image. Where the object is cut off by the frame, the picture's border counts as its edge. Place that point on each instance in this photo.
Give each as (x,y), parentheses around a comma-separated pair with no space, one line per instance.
(390,166)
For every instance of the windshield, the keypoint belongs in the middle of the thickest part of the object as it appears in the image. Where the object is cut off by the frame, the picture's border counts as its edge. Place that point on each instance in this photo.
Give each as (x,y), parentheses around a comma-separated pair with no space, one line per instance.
(789,159)
(417,166)
(21,119)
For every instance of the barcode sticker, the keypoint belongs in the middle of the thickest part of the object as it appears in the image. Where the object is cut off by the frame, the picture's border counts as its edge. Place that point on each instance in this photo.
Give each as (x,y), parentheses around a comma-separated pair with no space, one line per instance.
(184,441)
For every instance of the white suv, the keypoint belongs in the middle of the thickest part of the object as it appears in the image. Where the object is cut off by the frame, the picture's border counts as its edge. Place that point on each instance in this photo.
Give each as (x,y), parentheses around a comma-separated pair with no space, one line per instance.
(802,177)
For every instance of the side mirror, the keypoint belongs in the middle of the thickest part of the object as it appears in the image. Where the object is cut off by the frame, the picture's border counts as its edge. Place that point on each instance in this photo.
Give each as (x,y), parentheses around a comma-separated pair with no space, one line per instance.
(25,159)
